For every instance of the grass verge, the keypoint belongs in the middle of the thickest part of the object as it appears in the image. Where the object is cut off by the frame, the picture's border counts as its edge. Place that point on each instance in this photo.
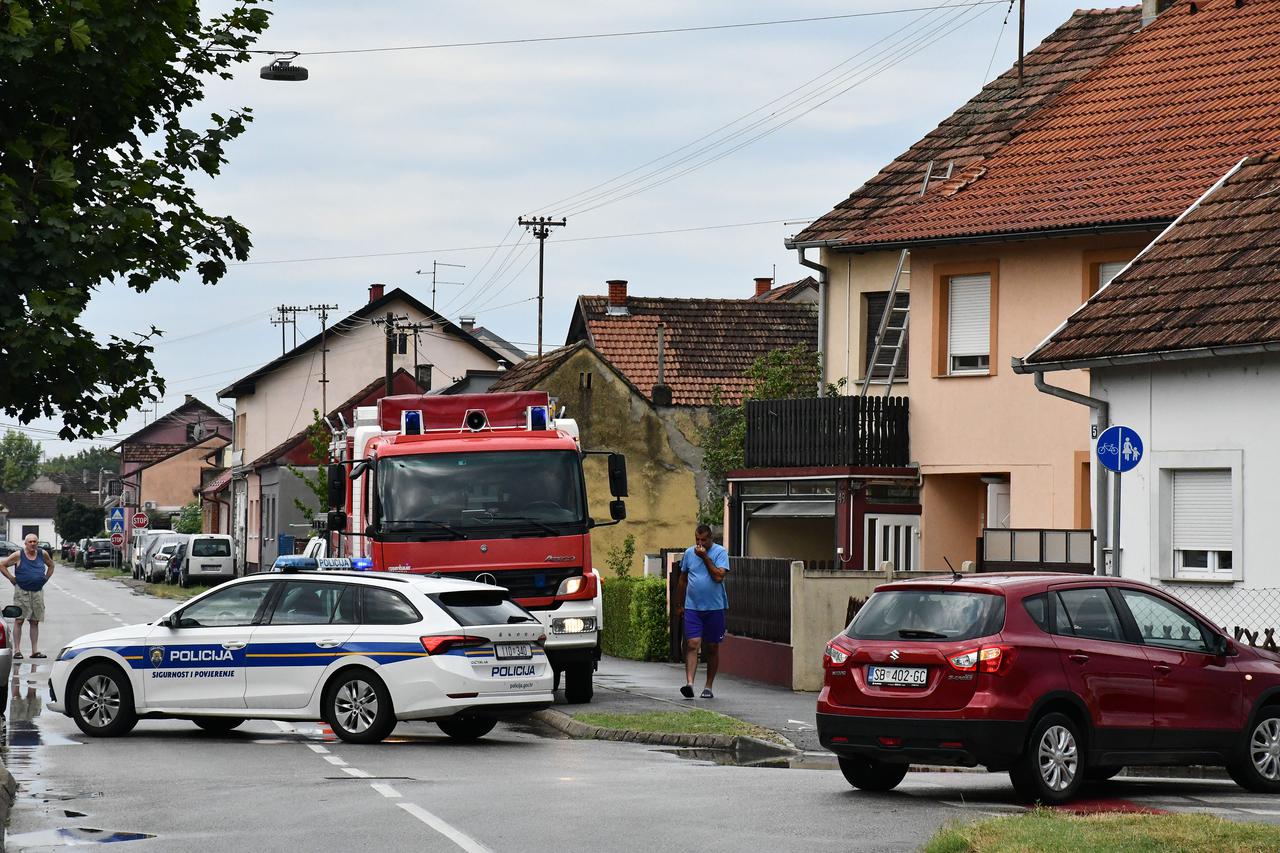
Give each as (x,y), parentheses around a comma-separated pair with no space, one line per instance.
(1048,831)
(693,722)
(106,573)
(177,593)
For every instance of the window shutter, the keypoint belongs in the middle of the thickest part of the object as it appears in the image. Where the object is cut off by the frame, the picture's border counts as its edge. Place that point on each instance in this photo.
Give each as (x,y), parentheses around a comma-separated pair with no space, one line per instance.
(1108,271)
(1202,509)
(969,315)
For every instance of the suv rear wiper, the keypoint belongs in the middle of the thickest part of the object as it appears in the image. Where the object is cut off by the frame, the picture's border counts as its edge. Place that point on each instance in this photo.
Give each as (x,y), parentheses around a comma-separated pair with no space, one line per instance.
(917,634)
(418,524)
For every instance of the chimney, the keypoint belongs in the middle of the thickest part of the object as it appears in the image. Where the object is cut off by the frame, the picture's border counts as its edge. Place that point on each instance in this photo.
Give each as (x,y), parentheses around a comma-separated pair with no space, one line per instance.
(468,324)
(661,391)
(763,286)
(617,296)
(1152,8)
(188,399)
(375,291)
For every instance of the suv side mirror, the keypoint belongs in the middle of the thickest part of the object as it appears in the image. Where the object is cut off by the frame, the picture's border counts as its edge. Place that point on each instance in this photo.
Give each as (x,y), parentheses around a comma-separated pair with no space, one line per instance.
(336,521)
(1220,645)
(337,485)
(617,476)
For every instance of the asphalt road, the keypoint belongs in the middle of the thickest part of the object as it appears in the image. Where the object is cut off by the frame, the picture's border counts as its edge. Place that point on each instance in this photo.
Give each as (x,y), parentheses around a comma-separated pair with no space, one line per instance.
(286,787)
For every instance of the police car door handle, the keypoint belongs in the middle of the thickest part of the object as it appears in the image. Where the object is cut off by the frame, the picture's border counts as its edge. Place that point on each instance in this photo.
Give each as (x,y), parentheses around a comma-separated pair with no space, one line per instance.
(328,644)
(234,646)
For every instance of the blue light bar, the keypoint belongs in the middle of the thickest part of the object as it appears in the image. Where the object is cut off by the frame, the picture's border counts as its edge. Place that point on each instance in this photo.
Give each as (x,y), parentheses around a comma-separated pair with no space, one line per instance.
(537,418)
(411,422)
(361,564)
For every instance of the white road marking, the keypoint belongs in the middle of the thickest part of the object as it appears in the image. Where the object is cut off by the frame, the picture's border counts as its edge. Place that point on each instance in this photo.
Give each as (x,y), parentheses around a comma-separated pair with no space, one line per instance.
(359,774)
(335,761)
(801,723)
(1261,811)
(315,747)
(386,790)
(457,836)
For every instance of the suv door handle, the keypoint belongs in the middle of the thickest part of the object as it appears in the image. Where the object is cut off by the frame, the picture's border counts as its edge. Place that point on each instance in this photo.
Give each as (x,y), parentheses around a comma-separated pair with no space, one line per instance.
(328,644)
(1078,657)
(1162,668)
(235,646)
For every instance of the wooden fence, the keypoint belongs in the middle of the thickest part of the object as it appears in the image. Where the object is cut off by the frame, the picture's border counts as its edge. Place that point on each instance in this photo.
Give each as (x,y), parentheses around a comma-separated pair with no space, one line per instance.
(862,432)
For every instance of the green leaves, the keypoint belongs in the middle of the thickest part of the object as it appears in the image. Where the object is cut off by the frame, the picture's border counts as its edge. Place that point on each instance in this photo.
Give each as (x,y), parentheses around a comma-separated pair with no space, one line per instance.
(19,19)
(79,32)
(63,173)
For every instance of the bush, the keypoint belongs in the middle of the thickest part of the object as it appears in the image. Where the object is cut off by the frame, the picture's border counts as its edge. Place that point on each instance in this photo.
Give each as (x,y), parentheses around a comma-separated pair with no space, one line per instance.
(635,618)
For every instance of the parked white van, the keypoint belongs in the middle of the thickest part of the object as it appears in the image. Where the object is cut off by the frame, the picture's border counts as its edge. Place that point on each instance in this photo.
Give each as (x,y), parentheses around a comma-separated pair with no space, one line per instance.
(208,559)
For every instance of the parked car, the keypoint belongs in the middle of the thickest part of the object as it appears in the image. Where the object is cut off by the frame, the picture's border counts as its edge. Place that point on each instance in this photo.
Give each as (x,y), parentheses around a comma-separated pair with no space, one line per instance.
(158,563)
(47,547)
(98,552)
(9,612)
(145,546)
(1057,679)
(7,547)
(382,648)
(208,558)
(176,564)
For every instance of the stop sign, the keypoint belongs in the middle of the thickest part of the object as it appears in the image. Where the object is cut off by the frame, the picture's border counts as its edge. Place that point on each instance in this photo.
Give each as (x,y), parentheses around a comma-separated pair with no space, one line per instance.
(117,539)
(139,520)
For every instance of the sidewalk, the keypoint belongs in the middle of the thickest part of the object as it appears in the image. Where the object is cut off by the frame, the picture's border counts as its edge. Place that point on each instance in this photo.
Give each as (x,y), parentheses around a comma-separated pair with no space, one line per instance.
(627,686)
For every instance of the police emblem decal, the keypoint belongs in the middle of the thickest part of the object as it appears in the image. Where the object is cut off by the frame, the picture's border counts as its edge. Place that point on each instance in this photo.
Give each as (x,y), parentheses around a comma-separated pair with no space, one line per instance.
(157,656)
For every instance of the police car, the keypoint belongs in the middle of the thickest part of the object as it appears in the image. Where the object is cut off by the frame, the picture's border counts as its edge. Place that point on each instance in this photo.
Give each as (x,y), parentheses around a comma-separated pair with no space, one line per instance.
(358,650)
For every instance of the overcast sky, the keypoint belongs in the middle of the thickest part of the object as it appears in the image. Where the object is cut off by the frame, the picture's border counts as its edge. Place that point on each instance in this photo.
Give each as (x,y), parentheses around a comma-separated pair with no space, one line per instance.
(420,154)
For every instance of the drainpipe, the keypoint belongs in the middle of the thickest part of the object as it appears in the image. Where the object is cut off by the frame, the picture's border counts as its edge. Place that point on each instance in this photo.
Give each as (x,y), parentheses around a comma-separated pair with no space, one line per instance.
(822,316)
(1102,417)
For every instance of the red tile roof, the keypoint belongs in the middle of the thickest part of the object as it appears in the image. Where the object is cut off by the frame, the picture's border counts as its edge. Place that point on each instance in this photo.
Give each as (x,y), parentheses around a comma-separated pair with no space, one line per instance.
(1212,280)
(710,343)
(530,374)
(980,127)
(785,292)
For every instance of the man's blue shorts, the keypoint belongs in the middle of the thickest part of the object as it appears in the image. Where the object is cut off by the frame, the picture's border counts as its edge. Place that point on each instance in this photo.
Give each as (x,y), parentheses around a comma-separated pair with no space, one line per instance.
(707,624)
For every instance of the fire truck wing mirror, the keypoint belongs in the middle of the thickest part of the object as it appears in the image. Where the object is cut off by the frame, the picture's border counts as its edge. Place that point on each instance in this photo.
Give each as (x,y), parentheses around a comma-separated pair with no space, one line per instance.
(357,470)
(337,485)
(336,521)
(617,510)
(617,475)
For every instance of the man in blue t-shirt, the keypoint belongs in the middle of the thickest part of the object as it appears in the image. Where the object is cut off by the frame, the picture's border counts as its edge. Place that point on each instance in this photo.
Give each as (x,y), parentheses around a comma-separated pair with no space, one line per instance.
(33,568)
(702,604)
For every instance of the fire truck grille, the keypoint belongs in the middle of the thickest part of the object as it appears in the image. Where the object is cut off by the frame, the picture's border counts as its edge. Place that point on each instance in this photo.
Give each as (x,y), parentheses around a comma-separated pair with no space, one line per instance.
(523,583)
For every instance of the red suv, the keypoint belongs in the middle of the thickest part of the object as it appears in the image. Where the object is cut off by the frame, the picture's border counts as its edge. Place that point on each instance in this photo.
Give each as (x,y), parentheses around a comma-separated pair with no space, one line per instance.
(1057,679)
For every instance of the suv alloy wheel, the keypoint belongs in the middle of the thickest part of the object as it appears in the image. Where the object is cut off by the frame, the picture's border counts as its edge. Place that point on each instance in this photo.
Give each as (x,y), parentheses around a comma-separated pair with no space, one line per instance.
(1257,768)
(1051,768)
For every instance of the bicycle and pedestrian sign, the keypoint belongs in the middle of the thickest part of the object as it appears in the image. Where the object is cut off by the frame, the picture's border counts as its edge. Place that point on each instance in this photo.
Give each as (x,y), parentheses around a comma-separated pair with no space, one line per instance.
(1119,449)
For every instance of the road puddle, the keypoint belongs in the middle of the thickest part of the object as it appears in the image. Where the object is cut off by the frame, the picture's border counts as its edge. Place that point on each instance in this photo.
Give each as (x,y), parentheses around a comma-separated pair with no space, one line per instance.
(728,758)
(71,837)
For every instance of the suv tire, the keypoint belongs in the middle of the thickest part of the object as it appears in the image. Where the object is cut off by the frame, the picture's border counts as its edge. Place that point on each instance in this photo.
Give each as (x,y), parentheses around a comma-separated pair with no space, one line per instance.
(1051,768)
(467,728)
(578,688)
(358,707)
(867,774)
(100,699)
(1256,765)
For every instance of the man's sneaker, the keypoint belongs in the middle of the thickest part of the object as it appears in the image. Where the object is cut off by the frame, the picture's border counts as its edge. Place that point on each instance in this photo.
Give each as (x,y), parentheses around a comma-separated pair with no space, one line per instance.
(707,694)
(687,691)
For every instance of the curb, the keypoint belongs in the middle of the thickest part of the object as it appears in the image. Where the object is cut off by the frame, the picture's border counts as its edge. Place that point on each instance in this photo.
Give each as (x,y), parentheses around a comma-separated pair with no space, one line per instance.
(742,744)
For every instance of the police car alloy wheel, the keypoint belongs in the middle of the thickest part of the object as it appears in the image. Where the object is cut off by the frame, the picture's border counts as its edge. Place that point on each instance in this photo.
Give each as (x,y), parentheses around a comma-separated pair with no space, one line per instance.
(467,728)
(102,701)
(358,707)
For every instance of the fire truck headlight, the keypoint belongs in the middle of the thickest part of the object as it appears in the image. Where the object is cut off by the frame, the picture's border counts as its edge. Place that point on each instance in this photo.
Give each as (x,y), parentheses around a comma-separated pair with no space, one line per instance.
(573,625)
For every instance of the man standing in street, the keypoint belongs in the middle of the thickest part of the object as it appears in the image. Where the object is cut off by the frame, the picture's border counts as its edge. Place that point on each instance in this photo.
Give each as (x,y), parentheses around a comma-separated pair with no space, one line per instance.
(34,568)
(702,606)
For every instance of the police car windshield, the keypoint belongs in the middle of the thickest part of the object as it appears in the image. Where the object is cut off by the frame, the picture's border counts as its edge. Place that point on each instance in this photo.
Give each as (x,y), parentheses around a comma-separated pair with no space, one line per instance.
(453,495)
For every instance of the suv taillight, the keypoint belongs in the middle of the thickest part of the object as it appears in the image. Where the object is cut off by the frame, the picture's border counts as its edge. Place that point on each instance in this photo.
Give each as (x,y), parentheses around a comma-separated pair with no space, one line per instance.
(992,659)
(440,645)
(833,656)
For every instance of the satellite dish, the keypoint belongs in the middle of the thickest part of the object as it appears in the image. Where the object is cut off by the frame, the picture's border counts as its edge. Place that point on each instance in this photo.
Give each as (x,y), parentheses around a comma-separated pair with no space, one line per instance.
(199,431)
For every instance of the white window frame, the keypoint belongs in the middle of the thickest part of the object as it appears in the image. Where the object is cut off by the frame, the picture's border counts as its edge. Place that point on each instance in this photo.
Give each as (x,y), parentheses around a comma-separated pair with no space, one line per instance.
(1164,561)
(951,356)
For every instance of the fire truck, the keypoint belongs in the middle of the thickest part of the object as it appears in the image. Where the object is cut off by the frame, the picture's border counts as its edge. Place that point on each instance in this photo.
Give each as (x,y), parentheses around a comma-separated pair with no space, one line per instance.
(486,487)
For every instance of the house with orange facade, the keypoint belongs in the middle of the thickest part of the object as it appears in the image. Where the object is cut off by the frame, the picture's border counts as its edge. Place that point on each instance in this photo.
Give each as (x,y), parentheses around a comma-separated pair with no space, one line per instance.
(1002,221)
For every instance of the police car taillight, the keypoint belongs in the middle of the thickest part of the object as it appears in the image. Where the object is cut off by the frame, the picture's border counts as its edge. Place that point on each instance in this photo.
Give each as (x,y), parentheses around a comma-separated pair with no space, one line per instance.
(440,645)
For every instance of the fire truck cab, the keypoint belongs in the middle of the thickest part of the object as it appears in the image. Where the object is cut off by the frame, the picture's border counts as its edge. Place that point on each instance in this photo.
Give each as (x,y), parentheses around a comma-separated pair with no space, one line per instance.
(486,487)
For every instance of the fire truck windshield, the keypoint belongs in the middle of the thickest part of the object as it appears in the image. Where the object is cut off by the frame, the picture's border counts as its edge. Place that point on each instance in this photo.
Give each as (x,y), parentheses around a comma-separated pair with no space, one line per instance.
(460,495)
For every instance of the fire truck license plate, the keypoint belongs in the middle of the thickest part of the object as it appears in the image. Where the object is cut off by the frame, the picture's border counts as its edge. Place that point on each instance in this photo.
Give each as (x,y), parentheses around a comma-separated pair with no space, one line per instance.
(513,651)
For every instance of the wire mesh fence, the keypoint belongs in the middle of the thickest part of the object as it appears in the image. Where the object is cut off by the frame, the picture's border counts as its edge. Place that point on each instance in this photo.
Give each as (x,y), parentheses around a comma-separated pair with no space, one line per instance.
(1250,615)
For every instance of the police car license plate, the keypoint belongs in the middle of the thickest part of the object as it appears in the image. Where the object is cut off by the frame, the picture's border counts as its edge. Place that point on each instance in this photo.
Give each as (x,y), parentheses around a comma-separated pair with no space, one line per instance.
(513,651)
(897,676)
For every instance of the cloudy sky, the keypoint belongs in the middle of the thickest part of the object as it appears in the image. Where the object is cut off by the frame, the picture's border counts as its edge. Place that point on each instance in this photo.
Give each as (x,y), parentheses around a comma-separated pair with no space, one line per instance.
(385,161)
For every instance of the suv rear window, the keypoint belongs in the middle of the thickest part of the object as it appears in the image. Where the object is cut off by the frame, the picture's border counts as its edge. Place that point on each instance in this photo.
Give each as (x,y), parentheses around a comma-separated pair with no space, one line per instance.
(482,608)
(100,543)
(211,548)
(928,615)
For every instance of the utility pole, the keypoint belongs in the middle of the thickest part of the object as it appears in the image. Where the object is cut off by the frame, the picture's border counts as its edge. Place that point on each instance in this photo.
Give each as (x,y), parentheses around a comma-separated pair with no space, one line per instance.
(540,227)
(434,282)
(390,326)
(1022,26)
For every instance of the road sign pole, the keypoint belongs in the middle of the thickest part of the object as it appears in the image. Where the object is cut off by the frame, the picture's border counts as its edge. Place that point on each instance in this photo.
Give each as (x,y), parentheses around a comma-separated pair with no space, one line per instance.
(1115,524)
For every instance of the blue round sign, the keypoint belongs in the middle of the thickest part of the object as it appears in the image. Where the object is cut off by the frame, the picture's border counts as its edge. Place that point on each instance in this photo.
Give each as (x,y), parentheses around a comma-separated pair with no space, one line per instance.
(1119,449)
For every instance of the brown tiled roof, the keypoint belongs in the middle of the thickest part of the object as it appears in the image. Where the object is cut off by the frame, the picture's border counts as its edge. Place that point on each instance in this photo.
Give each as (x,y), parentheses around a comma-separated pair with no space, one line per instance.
(984,124)
(217,484)
(1212,280)
(531,373)
(784,292)
(150,454)
(710,343)
(30,504)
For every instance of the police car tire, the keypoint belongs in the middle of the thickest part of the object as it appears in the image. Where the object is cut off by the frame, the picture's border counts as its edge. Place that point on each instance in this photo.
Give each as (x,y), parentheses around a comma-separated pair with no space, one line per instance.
(467,728)
(217,725)
(578,688)
(385,717)
(125,717)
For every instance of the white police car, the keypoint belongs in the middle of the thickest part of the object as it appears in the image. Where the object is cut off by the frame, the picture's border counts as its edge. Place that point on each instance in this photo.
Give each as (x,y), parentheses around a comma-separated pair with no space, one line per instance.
(357,650)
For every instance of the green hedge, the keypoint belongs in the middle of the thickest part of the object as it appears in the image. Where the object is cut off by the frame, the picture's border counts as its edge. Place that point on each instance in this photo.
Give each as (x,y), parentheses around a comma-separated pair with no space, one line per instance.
(635,618)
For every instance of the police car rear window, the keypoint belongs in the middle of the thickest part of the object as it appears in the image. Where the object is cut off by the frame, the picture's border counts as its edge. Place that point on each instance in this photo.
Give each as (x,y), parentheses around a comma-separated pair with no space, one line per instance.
(482,608)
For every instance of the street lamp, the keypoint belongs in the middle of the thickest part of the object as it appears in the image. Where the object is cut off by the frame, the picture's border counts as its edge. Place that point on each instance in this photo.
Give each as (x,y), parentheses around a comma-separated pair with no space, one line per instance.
(284,69)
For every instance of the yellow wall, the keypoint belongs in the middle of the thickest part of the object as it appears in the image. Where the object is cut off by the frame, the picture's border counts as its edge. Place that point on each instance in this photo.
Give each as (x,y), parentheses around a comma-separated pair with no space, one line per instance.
(662,458)
(169,484)
(849,277)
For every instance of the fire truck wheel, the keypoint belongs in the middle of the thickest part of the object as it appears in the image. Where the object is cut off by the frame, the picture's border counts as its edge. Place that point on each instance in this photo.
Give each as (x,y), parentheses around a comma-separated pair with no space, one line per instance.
(577,683)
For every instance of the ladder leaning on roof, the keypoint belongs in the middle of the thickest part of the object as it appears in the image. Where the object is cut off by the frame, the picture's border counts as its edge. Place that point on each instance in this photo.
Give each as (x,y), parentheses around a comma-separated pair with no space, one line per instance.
(891,334)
